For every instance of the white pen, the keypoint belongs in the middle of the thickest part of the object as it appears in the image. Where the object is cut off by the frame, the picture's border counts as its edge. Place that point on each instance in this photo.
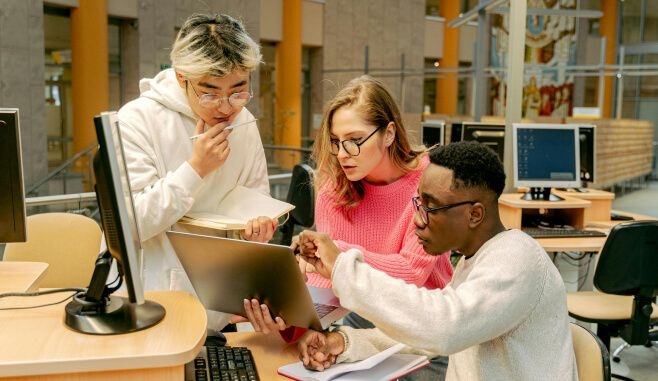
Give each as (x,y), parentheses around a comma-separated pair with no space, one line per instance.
(227,128)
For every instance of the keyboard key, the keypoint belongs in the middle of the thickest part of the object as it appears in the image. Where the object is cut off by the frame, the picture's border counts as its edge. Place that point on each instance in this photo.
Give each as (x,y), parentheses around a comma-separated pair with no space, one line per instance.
(323,309)
(222,364)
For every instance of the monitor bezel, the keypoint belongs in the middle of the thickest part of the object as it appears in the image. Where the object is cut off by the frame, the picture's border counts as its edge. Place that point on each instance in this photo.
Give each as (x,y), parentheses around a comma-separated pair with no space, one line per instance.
(13,196)
(546,183)
(594,169)
(110,145)
(433,123)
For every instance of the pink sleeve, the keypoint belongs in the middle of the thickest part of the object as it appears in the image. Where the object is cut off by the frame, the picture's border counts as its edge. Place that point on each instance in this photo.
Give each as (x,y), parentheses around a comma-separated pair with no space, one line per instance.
(292,334)
(412,264)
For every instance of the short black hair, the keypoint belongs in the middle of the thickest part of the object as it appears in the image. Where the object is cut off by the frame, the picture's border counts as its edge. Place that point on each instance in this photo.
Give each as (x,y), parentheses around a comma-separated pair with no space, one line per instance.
(473,164)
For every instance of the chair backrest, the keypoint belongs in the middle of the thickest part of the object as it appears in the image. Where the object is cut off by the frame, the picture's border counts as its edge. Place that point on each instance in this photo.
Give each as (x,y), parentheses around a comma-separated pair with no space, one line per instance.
(592,357)
(301,193)
(628,265)
(628,261)
(68,242)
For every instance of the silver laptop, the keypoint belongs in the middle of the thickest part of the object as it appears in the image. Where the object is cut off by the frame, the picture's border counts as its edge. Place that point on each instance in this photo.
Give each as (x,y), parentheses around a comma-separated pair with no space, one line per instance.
(225,271)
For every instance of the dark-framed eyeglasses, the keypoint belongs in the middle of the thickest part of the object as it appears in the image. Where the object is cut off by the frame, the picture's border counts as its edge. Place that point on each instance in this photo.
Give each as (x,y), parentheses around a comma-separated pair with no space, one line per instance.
(215,100)
(424,211)
(351,146)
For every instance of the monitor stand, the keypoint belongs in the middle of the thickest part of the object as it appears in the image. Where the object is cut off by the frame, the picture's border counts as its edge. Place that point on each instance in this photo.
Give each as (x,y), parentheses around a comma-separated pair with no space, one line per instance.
(114,316)
(540,194)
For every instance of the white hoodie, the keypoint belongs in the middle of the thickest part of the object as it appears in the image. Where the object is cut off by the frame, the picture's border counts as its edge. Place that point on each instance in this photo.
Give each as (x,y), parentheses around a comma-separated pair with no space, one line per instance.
(155,131)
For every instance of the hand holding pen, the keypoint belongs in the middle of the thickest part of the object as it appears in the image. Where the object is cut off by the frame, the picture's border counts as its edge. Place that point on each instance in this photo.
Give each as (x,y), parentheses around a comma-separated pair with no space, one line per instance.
(230,127)
(210,148)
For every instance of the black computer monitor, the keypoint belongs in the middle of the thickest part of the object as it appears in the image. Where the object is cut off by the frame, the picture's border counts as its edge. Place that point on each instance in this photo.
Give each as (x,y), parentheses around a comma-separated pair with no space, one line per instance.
(489,134)
(545,156)
(432,132)
(587,134)
(97,311)
(12,193)
(455,131)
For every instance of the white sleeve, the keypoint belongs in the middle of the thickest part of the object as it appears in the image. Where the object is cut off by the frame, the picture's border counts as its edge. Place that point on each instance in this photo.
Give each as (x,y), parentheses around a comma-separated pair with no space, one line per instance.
(449,320)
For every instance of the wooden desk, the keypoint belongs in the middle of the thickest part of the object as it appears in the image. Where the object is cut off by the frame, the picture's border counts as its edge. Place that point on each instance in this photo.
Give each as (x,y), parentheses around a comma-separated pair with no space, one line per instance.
(269,351)
(36,343)
(601,203)
(21,276)
(513,210)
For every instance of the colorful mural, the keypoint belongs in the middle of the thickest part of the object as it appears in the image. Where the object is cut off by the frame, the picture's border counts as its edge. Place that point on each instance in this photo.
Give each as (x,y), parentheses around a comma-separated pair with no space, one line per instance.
(549,47)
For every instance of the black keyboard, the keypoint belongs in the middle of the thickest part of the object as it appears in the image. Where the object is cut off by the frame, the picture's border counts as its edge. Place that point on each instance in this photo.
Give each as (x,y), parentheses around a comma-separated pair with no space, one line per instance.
(561,232)
(222,363)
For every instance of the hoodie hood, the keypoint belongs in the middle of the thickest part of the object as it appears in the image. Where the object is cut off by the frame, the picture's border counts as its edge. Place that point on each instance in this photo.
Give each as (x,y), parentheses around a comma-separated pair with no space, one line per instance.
(164,89)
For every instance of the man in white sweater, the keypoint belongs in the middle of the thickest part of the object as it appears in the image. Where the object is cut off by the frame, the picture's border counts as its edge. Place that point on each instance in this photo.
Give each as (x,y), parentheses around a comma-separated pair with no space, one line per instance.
(502,317)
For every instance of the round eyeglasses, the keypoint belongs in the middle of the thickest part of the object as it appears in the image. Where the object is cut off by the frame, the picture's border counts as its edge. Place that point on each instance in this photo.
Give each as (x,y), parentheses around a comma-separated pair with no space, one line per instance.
(215,100)
(424,211)
(351,146)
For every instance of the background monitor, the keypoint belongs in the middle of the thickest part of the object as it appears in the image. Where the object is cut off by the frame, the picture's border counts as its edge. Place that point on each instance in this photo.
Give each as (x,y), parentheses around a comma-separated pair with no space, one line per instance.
(456,131)
(432,132)
(97,311)
(489,134)
(587,154)
(545,156)
(12,193)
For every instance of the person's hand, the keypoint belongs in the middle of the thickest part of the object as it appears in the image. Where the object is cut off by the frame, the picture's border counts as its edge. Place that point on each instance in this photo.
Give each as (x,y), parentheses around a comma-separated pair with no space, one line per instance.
(260,317)
(304,267)
(260,229)
(318,350)
(318,250)
(210,150)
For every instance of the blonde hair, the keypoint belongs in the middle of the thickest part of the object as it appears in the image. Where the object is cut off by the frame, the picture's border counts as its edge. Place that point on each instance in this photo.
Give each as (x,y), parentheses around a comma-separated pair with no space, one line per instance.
(372,101)
(214,45)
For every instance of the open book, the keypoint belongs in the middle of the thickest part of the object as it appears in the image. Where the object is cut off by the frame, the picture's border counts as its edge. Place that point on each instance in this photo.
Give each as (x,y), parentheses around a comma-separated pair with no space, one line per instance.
(383,366)
(240,205)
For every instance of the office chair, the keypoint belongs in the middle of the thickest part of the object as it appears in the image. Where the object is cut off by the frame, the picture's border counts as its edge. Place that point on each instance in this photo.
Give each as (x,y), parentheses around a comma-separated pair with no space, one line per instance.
(626,278)
(301,194)
(68,242)
(592,357)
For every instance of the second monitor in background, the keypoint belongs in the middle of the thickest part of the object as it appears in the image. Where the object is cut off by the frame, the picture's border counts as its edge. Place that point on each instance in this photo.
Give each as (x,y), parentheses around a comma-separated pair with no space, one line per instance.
(432,132)
(490,134)
(12,197)
(587,135)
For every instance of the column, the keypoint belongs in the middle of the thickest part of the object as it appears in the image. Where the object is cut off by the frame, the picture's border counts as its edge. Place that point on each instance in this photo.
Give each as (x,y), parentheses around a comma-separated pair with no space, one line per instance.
(447,89)
(89,69)
(288,121)
(608,29)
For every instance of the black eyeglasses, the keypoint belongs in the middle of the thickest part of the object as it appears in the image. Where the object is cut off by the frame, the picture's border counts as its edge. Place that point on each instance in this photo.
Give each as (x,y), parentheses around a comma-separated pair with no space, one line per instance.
(215,100)
(351,146)
(424,211)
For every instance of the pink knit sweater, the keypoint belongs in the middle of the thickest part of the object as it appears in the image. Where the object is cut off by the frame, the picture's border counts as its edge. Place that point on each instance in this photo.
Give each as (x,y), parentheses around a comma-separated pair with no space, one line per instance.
(382,228)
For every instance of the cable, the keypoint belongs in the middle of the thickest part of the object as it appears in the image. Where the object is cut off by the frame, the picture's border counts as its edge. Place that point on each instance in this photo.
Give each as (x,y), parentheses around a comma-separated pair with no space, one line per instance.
(44,292)
(37,293)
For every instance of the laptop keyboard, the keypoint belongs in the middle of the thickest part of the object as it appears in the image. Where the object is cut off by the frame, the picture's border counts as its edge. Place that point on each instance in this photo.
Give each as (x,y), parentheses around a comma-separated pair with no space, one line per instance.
(222,363)
(323,309)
